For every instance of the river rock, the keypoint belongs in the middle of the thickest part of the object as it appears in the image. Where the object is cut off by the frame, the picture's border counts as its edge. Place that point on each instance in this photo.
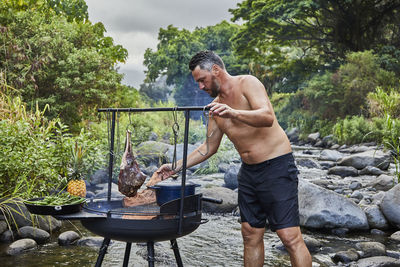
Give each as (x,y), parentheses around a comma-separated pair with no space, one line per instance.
(330,155)
(92,241)
(100,176)
(383,182)
(371,170)
(230,176)
(321,208)
(313,137)
(379,261)
(228,196)
(312,244)
(395,236)
(293,134)
(48,223)
(376,158)
(152,152)
(39,235)
(68,238)
(7,236)
(21,245)
(20,215)
(343,171)
(371,249)
(345,256)
(3,226)
(308,163)
(355,185)
(375,217)
(390,205)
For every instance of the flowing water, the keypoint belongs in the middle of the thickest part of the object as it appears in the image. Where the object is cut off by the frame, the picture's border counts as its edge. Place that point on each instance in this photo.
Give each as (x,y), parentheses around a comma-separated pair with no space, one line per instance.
(216,243)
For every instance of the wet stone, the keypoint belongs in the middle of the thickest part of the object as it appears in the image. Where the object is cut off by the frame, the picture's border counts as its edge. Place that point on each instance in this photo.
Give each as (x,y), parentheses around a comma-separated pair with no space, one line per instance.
(21,245)
(371,249)
(395,236)
(94,241)
(39,235)
(355,185)
(68,238)
(345,256)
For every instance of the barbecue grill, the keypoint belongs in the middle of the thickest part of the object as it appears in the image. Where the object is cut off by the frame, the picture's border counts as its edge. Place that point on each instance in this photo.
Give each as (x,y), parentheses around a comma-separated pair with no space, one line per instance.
(143,223)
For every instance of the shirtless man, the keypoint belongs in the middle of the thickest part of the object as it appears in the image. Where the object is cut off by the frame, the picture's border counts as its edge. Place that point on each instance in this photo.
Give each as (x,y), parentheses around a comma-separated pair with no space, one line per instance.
(268,176)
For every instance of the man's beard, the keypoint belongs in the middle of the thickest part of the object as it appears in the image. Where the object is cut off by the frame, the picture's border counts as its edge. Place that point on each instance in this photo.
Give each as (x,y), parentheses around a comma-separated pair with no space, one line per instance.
(214,90)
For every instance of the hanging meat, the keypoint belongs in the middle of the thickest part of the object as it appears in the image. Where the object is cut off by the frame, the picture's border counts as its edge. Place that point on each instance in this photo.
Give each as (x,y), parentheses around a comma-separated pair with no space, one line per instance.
(130,177)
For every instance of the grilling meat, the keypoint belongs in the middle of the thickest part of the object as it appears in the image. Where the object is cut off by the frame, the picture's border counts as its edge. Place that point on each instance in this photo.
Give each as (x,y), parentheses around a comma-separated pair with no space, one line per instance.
(130,177)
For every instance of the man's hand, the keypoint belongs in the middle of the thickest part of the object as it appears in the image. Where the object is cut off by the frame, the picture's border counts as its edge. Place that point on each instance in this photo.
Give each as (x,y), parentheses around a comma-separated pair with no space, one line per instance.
(221,110)
(165,171)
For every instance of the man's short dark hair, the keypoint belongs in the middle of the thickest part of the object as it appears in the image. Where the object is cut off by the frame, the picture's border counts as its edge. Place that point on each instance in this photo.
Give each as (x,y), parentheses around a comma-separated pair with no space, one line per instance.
(205,59)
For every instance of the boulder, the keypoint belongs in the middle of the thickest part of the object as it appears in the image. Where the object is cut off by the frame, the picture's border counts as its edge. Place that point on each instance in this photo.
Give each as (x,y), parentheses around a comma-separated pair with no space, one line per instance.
(313,137)
(343,171)
(293,134)
(230,176)
(370,170)
(152,152)
(308,163)
(390,205)
(20,246)
(228,196)
(321,208)
(330,155)
(375,158)
(371,249)
(100,176)
(7,236)
(395,236)
(379,261)
(383,182)
(39,235)
(375,217)
(68,238)
(3,227)
(345,256)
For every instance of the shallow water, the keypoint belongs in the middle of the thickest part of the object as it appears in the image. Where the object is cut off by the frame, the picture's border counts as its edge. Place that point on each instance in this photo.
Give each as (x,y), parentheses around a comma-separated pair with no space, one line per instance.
(216,243)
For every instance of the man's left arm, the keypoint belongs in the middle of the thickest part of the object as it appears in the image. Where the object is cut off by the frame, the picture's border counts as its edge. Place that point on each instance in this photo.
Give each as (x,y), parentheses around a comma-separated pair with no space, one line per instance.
(261,112)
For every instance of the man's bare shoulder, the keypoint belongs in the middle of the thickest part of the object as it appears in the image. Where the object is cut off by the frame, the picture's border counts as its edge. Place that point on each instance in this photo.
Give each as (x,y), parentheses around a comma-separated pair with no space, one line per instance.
(246,82)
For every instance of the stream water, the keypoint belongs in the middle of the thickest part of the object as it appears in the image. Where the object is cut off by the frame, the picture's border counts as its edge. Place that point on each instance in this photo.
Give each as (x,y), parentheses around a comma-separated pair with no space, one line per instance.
(216,243)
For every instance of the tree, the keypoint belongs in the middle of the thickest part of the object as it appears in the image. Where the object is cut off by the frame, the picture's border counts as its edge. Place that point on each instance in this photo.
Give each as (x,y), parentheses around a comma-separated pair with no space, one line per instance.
(51,54)
(174,51)
(315,33)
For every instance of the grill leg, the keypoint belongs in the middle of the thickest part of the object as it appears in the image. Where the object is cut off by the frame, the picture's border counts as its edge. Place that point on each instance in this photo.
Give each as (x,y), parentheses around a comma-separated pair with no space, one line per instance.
(174,246)
(127,254)
(102,251)
(150,253)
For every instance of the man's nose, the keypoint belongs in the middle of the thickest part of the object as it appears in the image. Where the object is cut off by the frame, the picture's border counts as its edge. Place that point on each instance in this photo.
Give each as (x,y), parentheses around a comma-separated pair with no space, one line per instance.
(201,86)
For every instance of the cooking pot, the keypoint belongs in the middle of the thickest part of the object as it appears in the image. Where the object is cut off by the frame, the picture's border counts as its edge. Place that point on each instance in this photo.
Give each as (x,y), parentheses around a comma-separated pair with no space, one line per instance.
(169,190)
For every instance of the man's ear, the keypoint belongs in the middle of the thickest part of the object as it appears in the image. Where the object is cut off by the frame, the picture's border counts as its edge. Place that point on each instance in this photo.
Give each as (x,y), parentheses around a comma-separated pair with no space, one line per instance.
(215,69)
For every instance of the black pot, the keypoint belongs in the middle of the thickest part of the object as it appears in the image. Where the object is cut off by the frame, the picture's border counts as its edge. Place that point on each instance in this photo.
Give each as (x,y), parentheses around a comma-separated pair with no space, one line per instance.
(171,190)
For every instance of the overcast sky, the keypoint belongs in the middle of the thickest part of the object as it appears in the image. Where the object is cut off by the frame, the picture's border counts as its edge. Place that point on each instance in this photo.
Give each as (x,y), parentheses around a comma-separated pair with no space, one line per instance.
(134,24)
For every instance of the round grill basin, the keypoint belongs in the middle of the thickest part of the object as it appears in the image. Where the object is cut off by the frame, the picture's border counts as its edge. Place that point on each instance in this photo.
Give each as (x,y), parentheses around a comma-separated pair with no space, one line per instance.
(134,231)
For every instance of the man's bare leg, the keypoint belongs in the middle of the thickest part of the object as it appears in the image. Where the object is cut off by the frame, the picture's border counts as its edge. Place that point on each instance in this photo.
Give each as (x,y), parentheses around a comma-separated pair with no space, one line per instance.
(253,241)
(292,239)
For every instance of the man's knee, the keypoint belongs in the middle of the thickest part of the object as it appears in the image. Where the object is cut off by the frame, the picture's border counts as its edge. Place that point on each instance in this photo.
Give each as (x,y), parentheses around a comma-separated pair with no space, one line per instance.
(290,237)
(251,234)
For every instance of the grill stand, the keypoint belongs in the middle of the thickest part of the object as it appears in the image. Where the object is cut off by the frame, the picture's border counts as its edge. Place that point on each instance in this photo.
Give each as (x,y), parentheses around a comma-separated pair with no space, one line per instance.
(150,244)
(150,253)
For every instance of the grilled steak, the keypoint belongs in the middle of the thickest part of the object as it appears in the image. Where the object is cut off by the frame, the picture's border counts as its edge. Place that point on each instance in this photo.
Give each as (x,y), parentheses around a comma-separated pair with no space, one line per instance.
(130,177)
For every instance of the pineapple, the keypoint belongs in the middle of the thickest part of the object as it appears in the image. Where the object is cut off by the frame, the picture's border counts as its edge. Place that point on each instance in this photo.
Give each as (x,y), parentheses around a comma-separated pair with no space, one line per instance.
(76,185)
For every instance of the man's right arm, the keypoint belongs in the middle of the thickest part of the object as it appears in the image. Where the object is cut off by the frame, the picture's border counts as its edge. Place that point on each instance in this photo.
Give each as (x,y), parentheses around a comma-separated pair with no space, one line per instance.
(200,154)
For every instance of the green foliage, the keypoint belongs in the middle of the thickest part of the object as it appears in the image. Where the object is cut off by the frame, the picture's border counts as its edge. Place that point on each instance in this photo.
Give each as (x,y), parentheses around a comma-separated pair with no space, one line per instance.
(353,130)
(344,93)
(174,51)
(384,102)
(53,55)
(35,152)
(315,33)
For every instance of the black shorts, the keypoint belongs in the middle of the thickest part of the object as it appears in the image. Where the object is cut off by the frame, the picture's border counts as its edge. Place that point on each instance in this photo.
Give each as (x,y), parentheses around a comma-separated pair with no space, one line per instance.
(268,190)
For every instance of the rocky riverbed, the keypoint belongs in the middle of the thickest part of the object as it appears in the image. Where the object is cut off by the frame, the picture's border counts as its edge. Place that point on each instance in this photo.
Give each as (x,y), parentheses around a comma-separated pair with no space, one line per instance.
(349,205)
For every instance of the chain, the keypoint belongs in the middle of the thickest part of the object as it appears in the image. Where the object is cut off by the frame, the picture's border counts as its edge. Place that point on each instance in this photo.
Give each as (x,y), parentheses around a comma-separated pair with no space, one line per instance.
(175,130)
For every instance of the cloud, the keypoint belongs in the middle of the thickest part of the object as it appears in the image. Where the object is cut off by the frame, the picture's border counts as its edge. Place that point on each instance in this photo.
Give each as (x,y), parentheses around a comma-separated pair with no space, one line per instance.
(135,24)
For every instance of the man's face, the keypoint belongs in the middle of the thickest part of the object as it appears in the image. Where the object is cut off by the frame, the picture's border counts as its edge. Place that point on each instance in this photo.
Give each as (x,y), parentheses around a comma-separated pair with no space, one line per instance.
(207,81)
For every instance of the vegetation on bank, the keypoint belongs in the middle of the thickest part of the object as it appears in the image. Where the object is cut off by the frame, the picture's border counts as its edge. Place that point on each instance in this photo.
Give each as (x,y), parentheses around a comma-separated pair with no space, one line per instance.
(57,68)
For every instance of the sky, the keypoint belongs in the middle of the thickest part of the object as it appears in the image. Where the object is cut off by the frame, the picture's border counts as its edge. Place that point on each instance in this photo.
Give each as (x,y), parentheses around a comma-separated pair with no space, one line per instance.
(134,24)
